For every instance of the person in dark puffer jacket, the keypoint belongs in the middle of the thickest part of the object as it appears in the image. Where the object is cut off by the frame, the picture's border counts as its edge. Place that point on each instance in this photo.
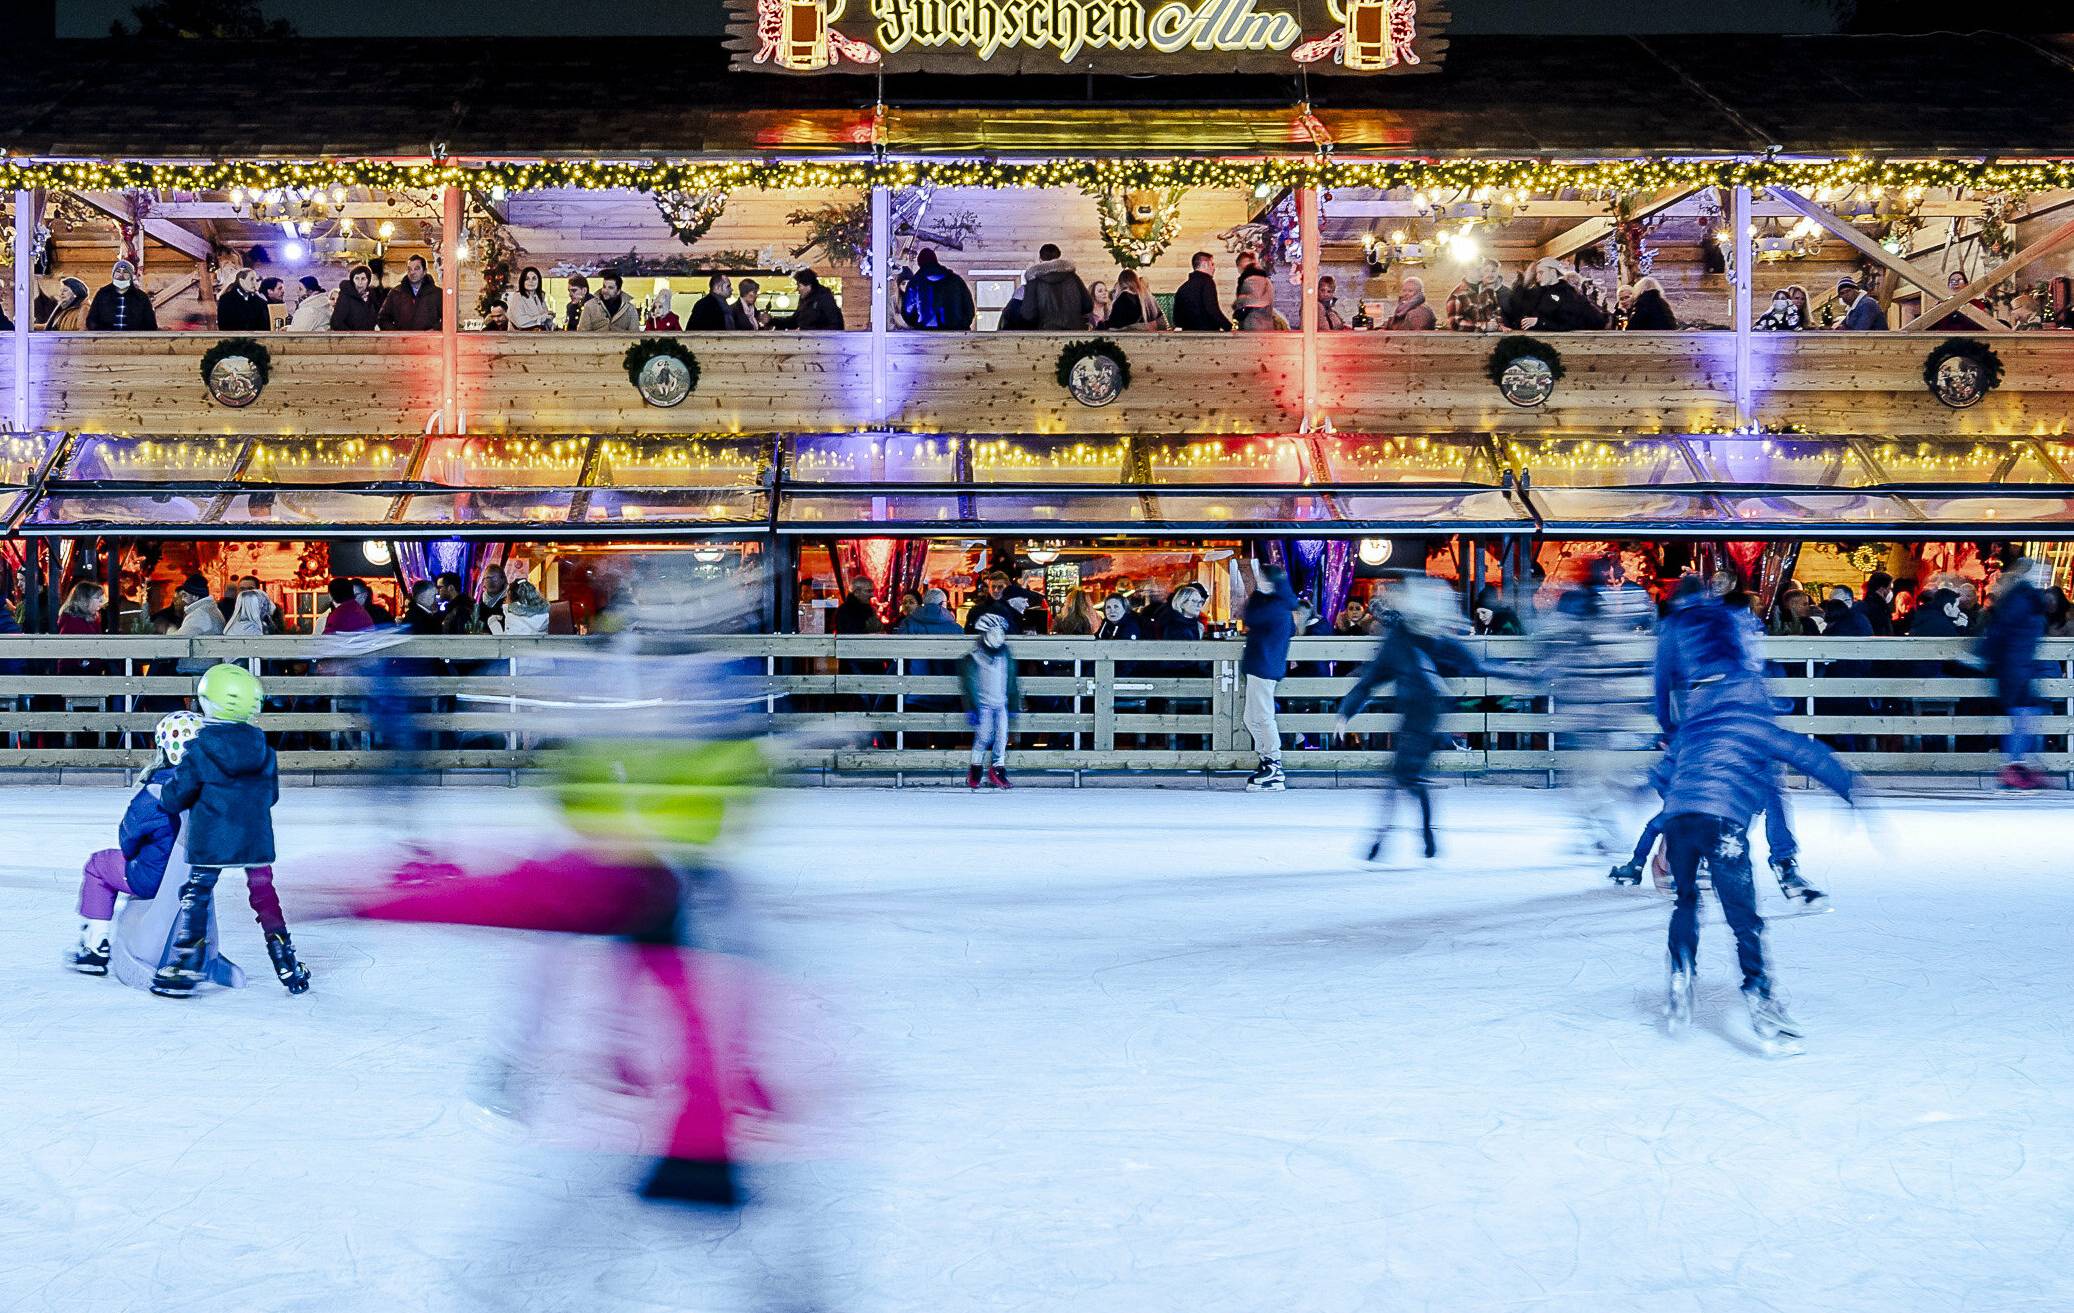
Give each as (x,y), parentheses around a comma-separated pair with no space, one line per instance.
(227,783)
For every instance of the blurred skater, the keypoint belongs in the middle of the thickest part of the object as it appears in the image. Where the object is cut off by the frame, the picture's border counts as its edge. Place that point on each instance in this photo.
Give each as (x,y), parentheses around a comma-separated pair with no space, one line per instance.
(2009,649)
(1274,615)
(1417,654)
(1595,660)
(993,697)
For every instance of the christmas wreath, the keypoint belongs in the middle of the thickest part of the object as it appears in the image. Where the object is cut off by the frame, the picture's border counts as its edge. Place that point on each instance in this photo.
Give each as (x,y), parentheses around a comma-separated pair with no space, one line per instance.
(1962,371)
(661,387)
(236,386)
(1140,222)
(690,214)
(1526,369)
(1095,371)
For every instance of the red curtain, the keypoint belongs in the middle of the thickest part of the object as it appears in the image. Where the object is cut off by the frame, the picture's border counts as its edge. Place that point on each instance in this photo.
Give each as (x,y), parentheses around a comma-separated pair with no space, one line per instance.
(893,565)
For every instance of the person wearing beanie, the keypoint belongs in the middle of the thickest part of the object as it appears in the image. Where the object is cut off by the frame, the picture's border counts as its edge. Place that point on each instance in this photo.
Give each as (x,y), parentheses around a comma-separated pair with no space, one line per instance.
(1273,616)
(121,306)
(993,696)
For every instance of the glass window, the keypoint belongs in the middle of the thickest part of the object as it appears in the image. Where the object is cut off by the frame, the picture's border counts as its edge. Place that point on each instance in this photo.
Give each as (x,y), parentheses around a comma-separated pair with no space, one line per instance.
(128,510)
(1598,462)
(490,462)
(329,460)
(162,460)
(680,462)
(1985,513)
(661,506)
(873,458)
(940,509)
(1049,460)
(1372,459)
(1802,462)
(1818,508)
(1572,509)
(1455,510)
(1959,462)
(1224,460)
(467,508)
(22,454)
(298,509)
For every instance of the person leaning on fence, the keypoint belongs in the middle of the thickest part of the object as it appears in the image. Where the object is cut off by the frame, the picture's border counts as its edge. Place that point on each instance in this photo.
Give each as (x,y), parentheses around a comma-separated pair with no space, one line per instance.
(359,303)
(122,306)
(993,696)
(1273,616)
(1117,619)
(413,305)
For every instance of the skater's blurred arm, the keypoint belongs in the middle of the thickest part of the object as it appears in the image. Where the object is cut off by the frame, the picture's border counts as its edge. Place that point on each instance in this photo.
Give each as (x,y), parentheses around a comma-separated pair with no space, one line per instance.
(1373,675)
(1812,759)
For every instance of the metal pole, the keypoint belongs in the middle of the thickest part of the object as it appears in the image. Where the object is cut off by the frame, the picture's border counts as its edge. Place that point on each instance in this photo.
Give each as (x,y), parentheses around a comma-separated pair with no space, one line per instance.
(881,258)
(450,310)
(27,208)
(1307,199)
(1739,271)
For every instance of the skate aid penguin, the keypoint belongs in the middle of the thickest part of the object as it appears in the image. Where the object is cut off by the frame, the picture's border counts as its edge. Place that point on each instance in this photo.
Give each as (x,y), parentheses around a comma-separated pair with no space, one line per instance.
(144,843)
(227,784)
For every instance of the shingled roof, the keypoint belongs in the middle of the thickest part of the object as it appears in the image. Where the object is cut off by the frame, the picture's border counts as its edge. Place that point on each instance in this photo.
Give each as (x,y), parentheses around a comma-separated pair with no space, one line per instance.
(1962,95)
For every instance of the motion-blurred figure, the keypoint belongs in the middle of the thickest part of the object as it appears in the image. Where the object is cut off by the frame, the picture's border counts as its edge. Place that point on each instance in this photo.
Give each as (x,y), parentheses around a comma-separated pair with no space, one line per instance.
(1595,660)
(1418,653)
(2009,649)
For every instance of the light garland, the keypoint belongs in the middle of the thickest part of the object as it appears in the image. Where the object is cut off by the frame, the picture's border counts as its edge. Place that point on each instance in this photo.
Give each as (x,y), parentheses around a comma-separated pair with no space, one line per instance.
(1609,178)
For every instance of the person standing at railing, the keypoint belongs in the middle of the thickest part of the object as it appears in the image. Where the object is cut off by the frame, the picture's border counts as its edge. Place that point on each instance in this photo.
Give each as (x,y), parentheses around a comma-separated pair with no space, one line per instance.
(1273,616)
(359,305)
(413,305)
(1862,313)
(1197,307)
(122,306)
(2009,649)
(711,313)
(200,617)
(1117,620)
(526,304)
(934,298)
(1054,298)
(818,310)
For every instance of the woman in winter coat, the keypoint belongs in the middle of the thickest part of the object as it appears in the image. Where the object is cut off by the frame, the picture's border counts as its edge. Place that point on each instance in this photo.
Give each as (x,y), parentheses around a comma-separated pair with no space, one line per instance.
(1651,312)
(1783,317)
(1417,655)
(1078,617)
(69,315)
(359,303)
(662,312)
(1117,620)
(524,611)
(249,617)
(2009,649)
(527,306)
(242,308)
(313,311)
(1553,306)
(1133,307)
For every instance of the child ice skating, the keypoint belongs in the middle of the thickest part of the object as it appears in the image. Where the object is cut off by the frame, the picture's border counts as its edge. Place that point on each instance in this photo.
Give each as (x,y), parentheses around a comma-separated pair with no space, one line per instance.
(227,784)
(144,844)
(992,697)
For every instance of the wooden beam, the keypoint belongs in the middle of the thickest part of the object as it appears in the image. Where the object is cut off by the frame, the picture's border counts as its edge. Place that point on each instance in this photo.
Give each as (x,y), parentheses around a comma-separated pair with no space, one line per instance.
(28,211)
(450,310)
(163,231)
(1880,255)
(195,210)
(1307,199)
(881,279)
(1995,277)
(1740,272)
(1593,230)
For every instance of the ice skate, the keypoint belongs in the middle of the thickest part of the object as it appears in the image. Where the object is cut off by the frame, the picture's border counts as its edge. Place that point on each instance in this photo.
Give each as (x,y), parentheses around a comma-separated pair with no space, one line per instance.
(1267,778)
(180,977)
(1626,873)
(1798,891)
(2018,777)
(1375,846)
(1777,1033)
(972,777)
(1678,1000)
(293,973)
(998,777)
(90,955)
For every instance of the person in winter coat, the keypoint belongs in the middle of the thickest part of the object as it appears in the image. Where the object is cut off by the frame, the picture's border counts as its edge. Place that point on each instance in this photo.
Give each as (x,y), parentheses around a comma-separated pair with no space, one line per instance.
(1078,617)
(227,783)
(1553,306)
(1722,766)
(662,312)
(526,305)
(993,697)
(241,308)
(1416,655)
(144,843)
(1862,314)
(932,617)
(1117,620)
(2009,639)
(1133,308)
(312,310)
(1054,298)
(1651,312)
(856,614)
(1492,617)
(1411,313)
(818,311)
(347,615)
(1782,317)
(1274,615)
(579,296)
(121,306)
(935,299)
(1197,307)
(1596,655)
(200,617)
(69,314)
(413,305)
(1477,303)
(611,310)
(248,616)
(359,304)
(994,600)
(712,312)
(1182,620)
(524,611)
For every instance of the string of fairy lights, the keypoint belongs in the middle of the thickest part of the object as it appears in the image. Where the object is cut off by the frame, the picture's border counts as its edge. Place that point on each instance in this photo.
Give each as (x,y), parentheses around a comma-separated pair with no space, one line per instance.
(1530,177)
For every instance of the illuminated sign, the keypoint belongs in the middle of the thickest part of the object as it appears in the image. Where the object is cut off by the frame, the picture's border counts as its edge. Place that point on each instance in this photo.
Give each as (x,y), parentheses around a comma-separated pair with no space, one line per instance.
(1074,36)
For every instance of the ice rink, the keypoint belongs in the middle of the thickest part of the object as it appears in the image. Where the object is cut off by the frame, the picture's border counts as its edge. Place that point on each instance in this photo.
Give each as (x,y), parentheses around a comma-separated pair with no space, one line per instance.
(1103,1051)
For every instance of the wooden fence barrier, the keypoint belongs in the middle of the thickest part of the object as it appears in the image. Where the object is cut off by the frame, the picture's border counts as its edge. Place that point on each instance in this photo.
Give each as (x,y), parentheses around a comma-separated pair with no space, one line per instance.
(889,705)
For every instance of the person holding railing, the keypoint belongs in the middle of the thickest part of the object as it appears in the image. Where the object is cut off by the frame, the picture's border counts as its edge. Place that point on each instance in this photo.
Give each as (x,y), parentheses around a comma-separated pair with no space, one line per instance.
(1274,615)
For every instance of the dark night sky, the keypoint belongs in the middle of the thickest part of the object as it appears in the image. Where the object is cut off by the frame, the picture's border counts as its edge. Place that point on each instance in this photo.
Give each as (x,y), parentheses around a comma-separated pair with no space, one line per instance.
(89,18)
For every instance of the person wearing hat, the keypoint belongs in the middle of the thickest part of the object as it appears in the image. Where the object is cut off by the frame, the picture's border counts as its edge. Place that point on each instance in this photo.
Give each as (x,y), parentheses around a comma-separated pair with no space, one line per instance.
(312,308)
(993,696)
(1274,615)
(122,306)
(68,313)
(1862,314)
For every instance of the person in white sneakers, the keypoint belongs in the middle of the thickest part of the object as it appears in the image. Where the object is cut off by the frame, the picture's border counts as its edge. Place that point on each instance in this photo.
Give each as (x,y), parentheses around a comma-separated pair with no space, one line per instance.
(1273,616)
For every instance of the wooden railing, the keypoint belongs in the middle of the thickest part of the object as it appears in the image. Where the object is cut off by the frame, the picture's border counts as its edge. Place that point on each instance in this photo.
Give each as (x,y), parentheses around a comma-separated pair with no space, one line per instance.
(862,705)
(1857,383)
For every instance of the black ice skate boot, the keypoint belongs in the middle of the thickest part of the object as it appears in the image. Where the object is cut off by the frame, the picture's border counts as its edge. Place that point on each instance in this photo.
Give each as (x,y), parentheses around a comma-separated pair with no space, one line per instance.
(293,974)
(1627,873)
(972,777)
(1267,778)
(90,955)
(1796,889)
(182,972)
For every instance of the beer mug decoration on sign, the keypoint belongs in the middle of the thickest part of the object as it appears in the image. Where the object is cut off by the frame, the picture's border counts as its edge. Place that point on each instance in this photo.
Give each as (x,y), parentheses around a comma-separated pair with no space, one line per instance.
(1374,35)
(800,35)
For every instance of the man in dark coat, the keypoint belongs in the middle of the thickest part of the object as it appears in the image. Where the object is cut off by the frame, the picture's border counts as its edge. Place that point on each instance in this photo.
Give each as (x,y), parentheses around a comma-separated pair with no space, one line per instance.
(241,308)
(121,306)
(993,601)
(856,614)
(935,298)
(1054,298)
(2009,649)
(1272,618)
(817,311)
(412,306)
(711,313)
(1196,307)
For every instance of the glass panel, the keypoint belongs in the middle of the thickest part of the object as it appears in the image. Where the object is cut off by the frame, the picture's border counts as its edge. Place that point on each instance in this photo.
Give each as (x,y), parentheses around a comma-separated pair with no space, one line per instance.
(1369,459)
(1243,508)
(1996,510)
(290,509)
(1225,460)
(1597,463)
(940,509)
(862,458)
(1566,506)
(680,462)
(22,454)
(165,460)
(653,506)
(1827,508)
(1049,460)
(135,509)
(485,462)
(487,507)
(1468,509)
(1803,462)
(329,460)
(10,503)
(1955,462)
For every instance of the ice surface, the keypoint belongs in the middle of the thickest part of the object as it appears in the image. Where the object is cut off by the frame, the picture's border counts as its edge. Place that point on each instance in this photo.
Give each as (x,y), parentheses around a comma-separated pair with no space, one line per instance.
(1103,1051)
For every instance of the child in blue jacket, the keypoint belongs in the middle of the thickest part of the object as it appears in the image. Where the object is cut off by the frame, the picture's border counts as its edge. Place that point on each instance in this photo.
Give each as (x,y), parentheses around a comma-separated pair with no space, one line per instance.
(137,865)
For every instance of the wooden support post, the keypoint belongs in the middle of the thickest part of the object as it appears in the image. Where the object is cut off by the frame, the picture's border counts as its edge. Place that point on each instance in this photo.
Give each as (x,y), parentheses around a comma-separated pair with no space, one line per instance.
(450,311)
(28,207)
(1995,277)
(881,280)
(1740,271)
(1307,201)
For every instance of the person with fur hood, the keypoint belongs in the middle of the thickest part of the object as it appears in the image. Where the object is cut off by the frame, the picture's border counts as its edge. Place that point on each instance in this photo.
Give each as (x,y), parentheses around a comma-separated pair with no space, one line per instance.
(1054,299)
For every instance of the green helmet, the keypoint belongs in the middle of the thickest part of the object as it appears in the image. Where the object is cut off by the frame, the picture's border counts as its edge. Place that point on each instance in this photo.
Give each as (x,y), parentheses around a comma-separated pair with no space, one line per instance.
(230,692)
